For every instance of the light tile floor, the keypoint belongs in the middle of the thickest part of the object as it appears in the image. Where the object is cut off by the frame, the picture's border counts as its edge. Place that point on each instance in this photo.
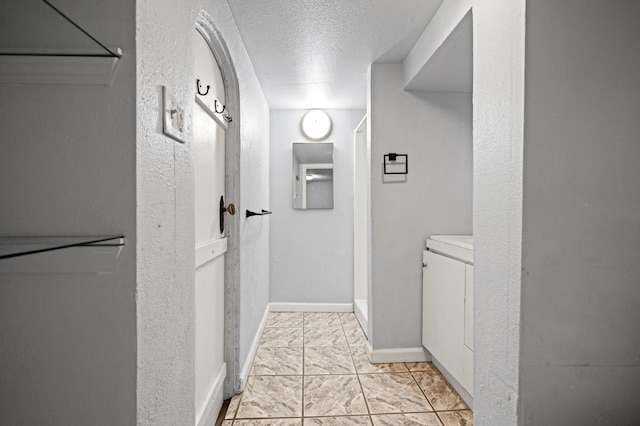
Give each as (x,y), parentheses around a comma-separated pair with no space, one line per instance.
(312,369)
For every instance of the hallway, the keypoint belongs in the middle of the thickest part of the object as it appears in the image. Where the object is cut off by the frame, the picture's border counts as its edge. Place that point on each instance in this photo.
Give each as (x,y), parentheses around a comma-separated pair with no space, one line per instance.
(313,368)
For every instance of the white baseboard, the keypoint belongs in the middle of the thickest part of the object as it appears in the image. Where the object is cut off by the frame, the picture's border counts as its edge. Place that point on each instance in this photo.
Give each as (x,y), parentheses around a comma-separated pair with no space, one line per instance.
(310,307)
(208,413)
(246,368)
(384,356)
(466,396)
(361,316)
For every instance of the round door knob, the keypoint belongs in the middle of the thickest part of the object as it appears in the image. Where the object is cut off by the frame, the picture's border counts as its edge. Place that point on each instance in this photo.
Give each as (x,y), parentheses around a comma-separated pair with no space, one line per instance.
(231,209)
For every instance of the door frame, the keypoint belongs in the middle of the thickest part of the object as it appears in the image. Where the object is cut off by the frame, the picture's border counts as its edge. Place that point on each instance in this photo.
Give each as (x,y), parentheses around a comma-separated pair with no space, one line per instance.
(206,27)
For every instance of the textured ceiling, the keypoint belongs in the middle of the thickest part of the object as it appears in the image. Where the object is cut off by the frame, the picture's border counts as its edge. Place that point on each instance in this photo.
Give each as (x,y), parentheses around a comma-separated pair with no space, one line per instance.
(315,53)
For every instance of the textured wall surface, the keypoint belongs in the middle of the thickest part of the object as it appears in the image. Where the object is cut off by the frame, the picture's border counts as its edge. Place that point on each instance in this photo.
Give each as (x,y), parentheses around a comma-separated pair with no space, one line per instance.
(312,250)
(68,345)
(434,129)
(165,37)
(580,318)
(498,102)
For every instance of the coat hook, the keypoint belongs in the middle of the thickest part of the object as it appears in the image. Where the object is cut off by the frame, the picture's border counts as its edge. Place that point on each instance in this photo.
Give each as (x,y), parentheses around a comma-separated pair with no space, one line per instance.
(198,88)
(215,107)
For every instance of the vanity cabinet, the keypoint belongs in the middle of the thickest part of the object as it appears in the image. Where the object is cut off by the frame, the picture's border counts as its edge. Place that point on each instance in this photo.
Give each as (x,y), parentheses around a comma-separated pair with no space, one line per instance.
(467,350)
(447,319)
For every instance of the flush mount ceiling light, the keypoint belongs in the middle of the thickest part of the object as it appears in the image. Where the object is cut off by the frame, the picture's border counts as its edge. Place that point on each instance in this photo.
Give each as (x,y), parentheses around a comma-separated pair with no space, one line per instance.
(316,125)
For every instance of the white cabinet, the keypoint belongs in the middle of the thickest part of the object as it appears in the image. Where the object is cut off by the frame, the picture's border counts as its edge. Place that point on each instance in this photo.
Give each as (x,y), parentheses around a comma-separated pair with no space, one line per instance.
(468,306)
(447,319)
(443,310)
(467,354)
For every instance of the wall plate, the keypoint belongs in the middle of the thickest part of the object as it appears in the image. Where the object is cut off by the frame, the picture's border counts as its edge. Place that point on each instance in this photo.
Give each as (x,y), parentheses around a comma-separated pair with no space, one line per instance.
(172,116)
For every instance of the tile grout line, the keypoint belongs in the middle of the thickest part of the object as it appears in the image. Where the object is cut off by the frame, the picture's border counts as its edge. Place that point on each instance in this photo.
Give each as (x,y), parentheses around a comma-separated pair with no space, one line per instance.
(343,326)
(366,403)
(303,370)
(425,395)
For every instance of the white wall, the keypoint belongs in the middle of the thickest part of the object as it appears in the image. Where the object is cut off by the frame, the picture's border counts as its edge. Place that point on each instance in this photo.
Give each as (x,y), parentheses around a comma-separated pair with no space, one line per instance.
(580,350)
(498,101)
(67,167)
(255,168)
(361,215)
(311,250)
(434,129)
(165,36)
(443,23)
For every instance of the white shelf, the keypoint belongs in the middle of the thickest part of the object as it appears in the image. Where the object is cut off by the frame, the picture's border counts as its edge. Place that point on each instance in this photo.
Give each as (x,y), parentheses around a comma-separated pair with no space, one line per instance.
(71,66)
(60,255)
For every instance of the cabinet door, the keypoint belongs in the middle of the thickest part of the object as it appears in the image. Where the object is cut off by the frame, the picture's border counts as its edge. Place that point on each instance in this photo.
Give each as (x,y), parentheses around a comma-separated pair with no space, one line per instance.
(443,311)
(468,307)
(467,381)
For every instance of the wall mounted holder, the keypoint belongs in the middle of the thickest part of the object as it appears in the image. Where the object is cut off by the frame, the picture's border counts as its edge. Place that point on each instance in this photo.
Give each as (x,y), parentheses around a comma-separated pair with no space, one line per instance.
(396,164)
(214,112)
(264,212)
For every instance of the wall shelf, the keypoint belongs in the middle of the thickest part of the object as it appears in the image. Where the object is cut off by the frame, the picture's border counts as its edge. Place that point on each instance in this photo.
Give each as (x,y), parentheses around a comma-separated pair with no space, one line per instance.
(73,254)
(70,66)
(24,64)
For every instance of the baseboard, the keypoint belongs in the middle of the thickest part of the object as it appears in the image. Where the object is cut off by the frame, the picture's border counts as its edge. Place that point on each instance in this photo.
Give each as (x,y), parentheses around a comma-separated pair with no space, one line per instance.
(466,396)
(208,413)
(384,356)
(246,368)
(362,319)
(310,307)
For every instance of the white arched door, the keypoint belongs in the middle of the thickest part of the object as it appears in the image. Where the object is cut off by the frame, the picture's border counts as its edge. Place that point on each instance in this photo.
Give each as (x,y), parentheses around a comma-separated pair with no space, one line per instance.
(209,126)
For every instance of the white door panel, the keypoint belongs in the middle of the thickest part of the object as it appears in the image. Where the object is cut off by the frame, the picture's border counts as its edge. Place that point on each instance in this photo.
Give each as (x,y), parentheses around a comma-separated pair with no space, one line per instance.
(209,151)
(210,243)
(210,250)
(209,338)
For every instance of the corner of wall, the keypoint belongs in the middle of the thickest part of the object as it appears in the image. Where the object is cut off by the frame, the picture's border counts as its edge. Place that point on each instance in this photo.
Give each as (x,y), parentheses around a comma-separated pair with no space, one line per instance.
(498,126)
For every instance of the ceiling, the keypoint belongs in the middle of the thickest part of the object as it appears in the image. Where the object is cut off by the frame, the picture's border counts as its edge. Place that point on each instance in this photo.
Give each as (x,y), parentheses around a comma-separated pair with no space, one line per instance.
(316,53)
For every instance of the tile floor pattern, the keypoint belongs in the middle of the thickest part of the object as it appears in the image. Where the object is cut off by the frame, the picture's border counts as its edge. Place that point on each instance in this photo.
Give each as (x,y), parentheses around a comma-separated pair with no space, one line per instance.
(312,369)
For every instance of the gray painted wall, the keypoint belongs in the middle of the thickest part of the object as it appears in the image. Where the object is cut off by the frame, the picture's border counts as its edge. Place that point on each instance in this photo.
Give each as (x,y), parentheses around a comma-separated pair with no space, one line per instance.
(311,250)
(434,129)
(68,342)
(580,350)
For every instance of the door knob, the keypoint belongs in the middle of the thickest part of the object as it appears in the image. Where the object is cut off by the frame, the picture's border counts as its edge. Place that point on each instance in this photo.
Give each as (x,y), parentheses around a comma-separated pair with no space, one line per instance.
(231,209)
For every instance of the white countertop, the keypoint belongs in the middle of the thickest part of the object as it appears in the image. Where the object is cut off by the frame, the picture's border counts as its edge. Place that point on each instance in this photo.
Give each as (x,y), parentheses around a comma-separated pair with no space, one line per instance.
(456,246)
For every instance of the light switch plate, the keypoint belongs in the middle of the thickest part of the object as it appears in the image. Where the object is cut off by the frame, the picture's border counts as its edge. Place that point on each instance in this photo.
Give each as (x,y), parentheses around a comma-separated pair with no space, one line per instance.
(172,116)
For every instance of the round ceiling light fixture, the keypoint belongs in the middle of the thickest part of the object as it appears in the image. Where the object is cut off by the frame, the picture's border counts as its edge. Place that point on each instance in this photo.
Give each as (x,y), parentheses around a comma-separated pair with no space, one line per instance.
(316,125)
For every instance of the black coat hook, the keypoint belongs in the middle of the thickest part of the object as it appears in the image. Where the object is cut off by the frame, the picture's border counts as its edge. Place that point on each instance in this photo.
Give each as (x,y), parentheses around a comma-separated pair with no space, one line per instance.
(215,107)
(198,88)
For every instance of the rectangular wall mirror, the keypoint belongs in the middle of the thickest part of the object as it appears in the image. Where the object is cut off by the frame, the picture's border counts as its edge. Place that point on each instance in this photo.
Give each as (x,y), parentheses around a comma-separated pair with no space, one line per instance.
(312,175)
